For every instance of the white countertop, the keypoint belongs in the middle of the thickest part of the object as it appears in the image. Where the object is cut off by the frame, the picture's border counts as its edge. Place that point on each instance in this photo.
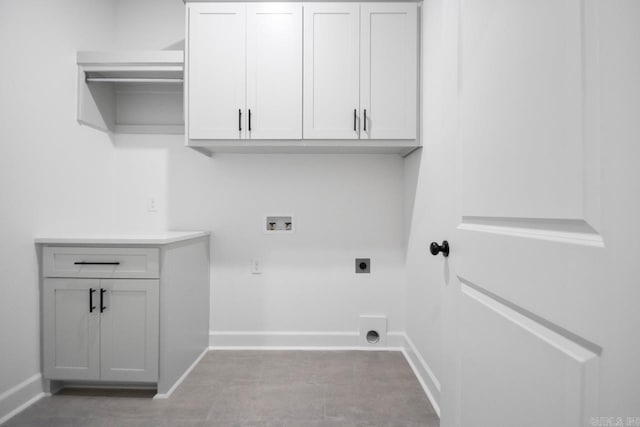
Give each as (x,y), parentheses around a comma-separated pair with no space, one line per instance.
(162,238)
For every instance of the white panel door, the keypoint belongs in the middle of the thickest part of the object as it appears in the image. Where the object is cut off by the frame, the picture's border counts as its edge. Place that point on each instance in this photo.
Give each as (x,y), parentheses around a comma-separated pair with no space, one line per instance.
(541,290)
(274,70)
(215,71)
(71,329)
(331,70)
(129,330)
(388,70)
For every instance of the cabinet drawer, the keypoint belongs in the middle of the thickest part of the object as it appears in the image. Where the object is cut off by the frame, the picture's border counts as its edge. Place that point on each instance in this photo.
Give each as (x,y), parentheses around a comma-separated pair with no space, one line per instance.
(62,261)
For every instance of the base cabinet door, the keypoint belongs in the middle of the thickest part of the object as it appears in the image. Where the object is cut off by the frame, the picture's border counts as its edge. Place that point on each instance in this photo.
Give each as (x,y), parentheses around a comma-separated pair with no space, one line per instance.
(71,325)
(129,330)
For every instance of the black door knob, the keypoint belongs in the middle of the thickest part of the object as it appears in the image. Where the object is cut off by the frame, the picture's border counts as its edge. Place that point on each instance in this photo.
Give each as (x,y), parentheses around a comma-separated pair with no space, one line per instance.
(436,248)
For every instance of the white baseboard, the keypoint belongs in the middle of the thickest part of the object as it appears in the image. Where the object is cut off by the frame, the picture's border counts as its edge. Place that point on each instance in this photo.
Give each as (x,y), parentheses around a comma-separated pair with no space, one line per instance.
(182,377)
(423,372)
(19,397)
(287,340)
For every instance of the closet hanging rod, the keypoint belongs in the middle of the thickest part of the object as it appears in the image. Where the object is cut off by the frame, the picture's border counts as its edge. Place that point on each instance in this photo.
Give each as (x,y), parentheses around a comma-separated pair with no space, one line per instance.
(132,80)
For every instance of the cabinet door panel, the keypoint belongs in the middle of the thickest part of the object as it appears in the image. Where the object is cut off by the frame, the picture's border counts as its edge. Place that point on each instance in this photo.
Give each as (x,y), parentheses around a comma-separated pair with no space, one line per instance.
(331,68)
(216,71)
(71,331)
(129,331)
(274,70)
(388,70)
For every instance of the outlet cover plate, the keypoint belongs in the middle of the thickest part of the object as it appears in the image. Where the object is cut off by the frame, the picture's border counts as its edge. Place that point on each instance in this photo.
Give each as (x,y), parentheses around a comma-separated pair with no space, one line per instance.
(363,265)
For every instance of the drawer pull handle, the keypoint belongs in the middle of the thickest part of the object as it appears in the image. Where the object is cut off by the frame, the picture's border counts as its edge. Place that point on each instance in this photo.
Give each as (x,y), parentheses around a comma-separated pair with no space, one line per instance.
(102,307)
(91,306)
(96,263)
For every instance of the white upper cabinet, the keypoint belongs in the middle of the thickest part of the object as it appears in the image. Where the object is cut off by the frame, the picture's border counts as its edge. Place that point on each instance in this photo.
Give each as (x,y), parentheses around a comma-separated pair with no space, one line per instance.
(274,71)
(244,72)
(289,76)
(388,70)
(215,70)
(331,69)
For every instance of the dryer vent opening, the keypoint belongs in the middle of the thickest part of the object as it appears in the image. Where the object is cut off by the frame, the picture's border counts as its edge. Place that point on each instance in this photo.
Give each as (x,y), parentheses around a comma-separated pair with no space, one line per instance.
(373,337)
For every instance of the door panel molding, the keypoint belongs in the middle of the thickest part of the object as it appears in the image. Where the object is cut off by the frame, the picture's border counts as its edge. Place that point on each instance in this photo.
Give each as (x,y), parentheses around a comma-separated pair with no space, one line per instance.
(573,231)
(539,128)
(516,313)
(561,369)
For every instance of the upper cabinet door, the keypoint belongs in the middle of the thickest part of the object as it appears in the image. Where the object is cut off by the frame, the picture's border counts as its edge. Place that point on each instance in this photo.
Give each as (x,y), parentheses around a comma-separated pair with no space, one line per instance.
(388,70)
(215,71)
(331,68)
(274,70)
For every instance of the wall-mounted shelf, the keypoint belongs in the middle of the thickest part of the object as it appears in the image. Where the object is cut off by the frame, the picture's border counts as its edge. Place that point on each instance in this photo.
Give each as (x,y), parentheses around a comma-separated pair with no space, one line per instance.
(131,91)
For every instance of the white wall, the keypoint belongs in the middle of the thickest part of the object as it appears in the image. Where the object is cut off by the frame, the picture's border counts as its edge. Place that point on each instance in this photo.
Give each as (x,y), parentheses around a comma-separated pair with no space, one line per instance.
(149,24)
(140,173)
(141,160)
(344,206)
(431,187)
(55,176)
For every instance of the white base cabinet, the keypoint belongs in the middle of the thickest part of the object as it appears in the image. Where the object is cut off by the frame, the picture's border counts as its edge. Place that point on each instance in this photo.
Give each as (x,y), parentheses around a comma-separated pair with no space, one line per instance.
(120,314)
(101,329)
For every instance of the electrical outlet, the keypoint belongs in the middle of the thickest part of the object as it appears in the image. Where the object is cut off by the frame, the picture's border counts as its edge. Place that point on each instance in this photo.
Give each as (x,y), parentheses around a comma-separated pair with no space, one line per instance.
(152,204)
(256,266)
(363,265)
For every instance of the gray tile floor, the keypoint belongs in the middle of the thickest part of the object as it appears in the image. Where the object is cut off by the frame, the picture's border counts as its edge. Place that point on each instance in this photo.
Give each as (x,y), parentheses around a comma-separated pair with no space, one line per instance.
(258,388)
